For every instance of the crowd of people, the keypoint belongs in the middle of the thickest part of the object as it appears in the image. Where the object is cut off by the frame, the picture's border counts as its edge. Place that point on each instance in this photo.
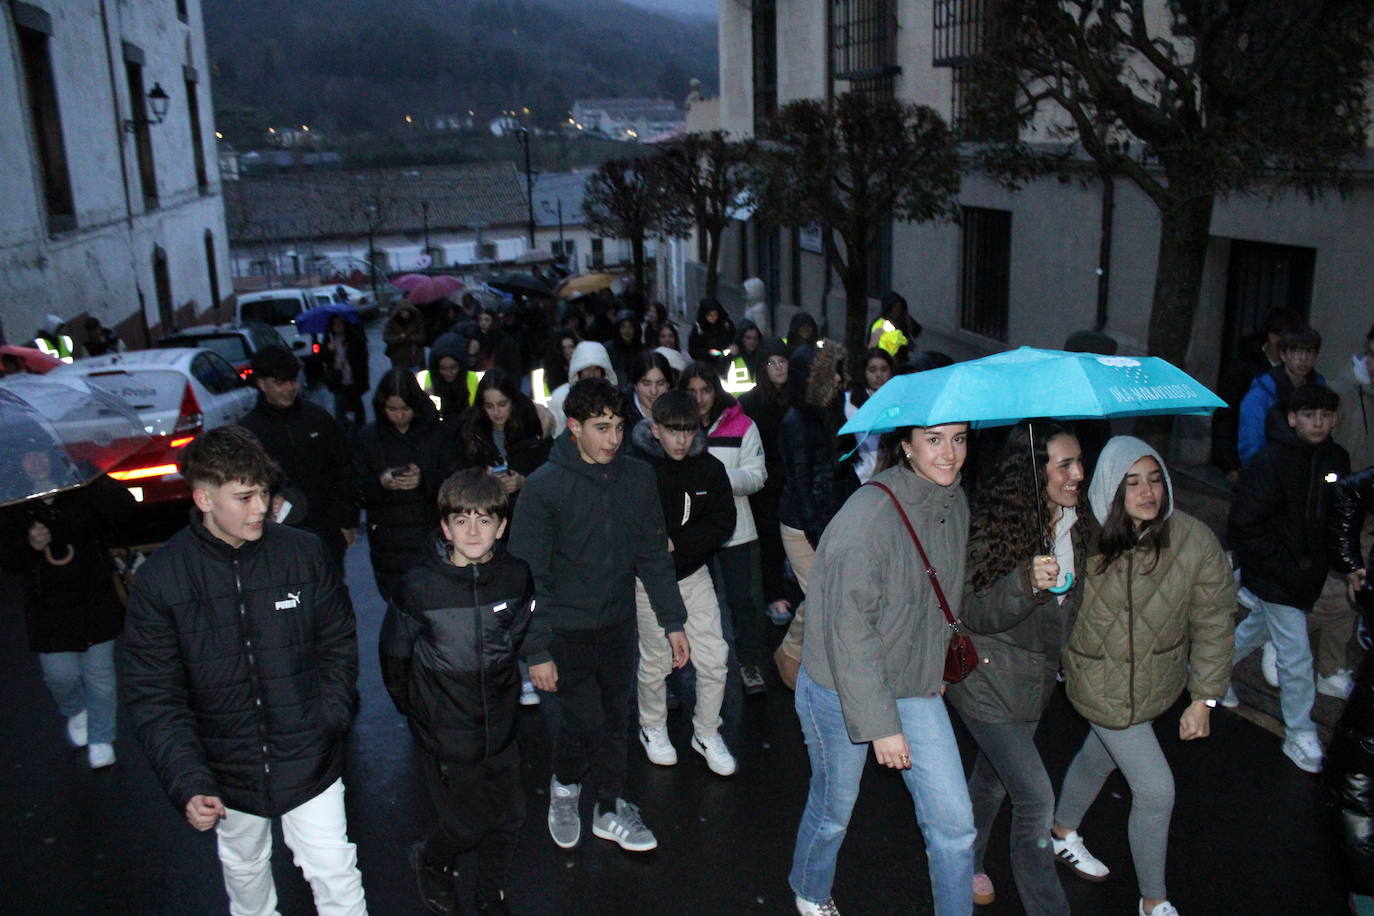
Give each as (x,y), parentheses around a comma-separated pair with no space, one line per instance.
(578,515)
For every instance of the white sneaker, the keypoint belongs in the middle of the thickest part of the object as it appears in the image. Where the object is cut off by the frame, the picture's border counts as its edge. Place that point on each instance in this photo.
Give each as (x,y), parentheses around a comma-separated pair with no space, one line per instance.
(1072,852)
(100,755)
(528,695)
(76,729)
(1305,751)
(1162,908)
(657,746)
(807,908)
(1269,664)
(1338,685)
(718,756)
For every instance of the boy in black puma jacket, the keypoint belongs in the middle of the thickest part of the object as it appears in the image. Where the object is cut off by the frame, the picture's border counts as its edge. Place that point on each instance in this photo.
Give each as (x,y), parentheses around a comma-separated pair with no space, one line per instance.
(449,645)
(699,511)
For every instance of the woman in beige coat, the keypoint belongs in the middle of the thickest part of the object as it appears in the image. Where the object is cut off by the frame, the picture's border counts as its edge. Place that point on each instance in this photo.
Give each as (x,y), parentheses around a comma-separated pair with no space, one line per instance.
(1156,618)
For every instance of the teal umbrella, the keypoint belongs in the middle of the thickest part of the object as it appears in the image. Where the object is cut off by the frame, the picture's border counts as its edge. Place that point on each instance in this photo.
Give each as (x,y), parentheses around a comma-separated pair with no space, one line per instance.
(1005,388)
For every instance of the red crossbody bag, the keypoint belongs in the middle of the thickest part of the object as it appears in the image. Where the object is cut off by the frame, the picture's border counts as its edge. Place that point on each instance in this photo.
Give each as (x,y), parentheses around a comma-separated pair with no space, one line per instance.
(961,657)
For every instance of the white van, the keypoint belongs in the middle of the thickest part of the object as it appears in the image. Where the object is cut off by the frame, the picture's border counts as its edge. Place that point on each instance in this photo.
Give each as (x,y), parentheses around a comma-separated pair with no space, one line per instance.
(279,308)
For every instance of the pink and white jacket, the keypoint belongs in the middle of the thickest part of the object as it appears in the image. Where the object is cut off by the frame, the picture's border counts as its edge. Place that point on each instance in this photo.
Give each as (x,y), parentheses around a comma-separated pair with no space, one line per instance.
(734,440)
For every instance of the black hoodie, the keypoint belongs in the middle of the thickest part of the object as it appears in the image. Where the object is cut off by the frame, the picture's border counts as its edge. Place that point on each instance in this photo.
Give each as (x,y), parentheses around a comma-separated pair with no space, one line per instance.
(588,531)
(706,337)
(313,452)
(698,504)
(1278,519)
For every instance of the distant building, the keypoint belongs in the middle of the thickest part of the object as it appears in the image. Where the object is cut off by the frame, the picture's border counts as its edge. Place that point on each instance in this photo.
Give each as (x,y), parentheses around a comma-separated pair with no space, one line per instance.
(627,119)
(111,197)
(459,216)
(560,226)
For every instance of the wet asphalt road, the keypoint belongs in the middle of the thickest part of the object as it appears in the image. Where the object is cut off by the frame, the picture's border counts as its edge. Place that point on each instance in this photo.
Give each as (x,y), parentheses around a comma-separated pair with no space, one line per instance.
(1246,835)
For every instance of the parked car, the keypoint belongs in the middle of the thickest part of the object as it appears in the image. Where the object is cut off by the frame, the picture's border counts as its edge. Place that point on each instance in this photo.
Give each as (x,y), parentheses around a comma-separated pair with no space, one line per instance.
(279,308)
(178,393)
(342,294)
(235,342)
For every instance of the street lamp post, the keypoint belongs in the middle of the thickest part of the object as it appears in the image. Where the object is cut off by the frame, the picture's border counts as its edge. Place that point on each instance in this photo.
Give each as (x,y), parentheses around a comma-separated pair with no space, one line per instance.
(524,134)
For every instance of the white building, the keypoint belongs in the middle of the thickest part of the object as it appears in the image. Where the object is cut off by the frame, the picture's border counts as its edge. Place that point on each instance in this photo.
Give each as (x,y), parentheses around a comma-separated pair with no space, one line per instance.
(560,226)
(627,119)
(1066,256)
(105,210)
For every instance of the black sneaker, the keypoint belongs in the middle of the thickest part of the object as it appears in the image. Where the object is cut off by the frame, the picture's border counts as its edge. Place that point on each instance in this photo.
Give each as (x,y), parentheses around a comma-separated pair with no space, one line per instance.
(435,883)
(753,680)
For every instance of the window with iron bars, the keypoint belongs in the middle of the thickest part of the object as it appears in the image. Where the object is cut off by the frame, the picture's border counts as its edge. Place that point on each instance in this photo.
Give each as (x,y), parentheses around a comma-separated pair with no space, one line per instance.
(864,36)
(960,27)
(985,271)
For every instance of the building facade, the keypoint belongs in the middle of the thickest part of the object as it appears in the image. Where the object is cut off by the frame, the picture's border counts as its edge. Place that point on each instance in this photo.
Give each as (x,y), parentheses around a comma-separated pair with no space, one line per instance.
(1031,266)
(111,202)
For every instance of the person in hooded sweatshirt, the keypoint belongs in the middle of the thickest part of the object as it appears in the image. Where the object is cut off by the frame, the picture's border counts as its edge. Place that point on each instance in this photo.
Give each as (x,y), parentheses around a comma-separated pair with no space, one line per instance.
(766,404)
(404,336)
(499,348)
(802,331)
(449,381)
(589,524)
(713,336)
(1155,620)
(699,510)
(589,360)
(624,344)
(1277,528)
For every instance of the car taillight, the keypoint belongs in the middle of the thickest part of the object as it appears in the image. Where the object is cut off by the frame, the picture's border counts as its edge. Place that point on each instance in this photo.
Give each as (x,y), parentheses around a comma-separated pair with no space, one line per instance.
(189,417)
(314,348)
(245,372)
(157,470)
(181,442)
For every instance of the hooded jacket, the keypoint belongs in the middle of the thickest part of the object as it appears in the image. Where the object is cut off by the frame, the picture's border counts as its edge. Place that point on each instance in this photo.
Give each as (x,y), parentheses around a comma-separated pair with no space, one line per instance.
(706,337)
(799,319)
(586,353)
(1146,630)
(240,666)
(448,649)
(621,353)
(874,629)
(734,440)
(405,337)
(1352,498)
(455,396)
(1279,516)
(312,450)
(354,343)
(695,495)
(815,484)
(588,531)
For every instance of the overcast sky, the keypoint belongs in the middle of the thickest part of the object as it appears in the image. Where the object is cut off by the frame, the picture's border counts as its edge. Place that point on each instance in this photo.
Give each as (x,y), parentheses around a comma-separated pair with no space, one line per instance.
(707,8)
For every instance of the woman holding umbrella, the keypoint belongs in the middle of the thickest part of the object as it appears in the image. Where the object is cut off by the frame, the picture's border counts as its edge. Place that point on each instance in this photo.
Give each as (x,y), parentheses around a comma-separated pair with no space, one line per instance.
(346,371)
(1031,500)
(874,659)
(1156,619)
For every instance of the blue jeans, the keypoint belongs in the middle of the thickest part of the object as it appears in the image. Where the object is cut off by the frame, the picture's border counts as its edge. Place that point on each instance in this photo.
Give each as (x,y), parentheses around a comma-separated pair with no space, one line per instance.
(1286,627)
(935,781)
(84,680)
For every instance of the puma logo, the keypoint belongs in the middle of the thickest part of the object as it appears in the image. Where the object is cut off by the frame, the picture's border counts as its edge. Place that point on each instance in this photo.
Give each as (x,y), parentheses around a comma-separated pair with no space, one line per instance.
(292,600)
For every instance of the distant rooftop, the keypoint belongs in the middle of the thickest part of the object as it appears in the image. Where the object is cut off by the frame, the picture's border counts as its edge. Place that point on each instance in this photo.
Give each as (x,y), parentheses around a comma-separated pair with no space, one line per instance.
(550,189)
(344,204)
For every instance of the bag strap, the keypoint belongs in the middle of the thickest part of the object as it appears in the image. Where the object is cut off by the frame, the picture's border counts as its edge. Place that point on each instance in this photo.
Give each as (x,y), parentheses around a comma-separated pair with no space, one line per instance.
(930,570)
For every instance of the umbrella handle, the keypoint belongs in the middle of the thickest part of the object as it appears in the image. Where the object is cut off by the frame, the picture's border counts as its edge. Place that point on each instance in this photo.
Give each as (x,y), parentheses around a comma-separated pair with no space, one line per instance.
(1061,589)
(71,552)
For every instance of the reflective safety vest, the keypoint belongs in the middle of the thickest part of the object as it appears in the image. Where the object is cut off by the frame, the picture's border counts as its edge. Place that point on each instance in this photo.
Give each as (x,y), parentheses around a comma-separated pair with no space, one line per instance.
(539,387)
(891,339)
(424,378)
(737,378)
(61,350)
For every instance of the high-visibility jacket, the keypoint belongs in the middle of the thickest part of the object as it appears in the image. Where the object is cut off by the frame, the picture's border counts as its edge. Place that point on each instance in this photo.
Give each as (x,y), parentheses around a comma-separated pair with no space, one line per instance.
(737,378)
(891,339)
(59,347)
(425,381)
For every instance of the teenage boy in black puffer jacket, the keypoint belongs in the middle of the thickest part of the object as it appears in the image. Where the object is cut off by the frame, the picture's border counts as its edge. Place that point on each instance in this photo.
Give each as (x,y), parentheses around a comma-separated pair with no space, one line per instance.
(240,662)
(699,510)
(448,651)
(1277,528)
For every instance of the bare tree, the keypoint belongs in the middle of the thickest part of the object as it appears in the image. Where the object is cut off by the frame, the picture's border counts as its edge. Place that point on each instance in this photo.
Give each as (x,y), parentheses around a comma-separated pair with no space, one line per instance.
(707,174)
(629,199)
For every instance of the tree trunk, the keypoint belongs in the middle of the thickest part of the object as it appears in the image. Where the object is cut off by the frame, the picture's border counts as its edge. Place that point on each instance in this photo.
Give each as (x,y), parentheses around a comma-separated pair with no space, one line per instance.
(637,253)
(1184,233)
(712,261)
(855,307)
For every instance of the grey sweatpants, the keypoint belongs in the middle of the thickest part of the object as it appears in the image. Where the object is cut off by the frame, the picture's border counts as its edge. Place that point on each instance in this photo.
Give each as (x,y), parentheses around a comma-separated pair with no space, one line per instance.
(1135,750)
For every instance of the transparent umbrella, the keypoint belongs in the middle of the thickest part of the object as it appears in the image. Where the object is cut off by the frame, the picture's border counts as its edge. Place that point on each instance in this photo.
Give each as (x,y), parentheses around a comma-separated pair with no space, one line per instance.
(58,432)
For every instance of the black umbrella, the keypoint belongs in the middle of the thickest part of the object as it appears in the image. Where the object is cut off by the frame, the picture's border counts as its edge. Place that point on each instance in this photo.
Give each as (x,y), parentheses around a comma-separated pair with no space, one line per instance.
(520,284)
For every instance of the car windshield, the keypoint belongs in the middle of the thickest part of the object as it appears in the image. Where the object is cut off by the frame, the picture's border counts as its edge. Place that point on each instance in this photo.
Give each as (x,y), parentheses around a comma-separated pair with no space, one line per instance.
(231,346)
(270,311)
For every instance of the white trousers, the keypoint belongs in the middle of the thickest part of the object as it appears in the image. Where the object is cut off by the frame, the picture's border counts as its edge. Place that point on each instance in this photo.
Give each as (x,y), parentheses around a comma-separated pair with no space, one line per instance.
(710,654)
(317,834)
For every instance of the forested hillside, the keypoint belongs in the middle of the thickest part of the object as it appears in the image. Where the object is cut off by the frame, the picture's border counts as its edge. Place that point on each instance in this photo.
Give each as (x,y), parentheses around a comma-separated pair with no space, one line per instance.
(349,66)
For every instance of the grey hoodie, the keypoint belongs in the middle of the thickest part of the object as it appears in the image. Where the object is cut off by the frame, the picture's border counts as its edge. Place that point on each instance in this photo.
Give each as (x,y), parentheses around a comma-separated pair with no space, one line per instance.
(1116,459)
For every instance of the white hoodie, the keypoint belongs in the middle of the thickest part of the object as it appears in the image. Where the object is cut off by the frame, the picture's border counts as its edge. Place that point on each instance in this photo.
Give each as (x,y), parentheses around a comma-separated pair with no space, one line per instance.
(587,353)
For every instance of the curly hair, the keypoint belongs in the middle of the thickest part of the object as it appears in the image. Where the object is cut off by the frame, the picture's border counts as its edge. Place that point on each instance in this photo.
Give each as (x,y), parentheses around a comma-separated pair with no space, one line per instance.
(1004,530)
(821,386)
